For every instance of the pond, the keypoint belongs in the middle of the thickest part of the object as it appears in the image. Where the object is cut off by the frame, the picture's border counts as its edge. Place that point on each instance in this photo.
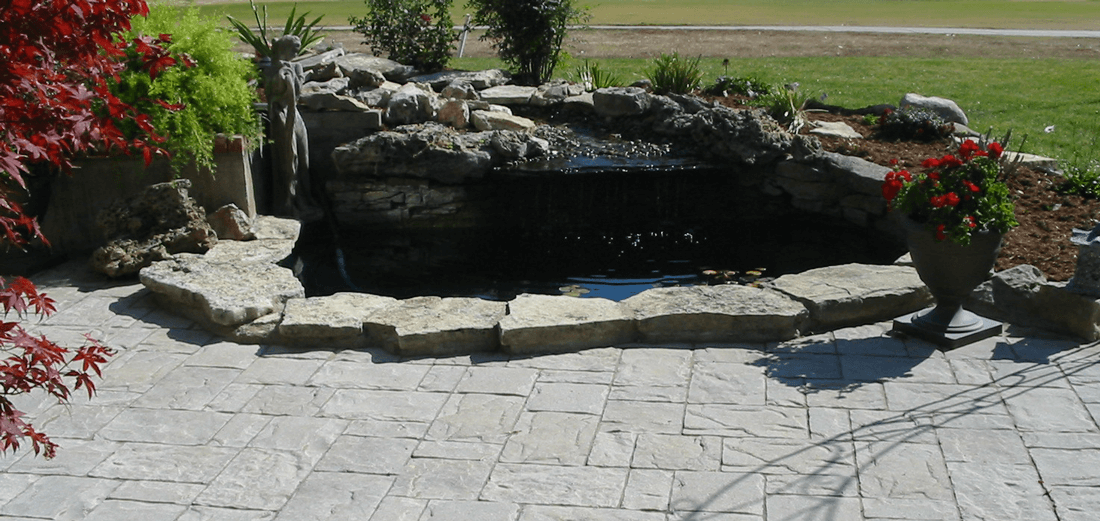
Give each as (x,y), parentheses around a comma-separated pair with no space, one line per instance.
(593,233)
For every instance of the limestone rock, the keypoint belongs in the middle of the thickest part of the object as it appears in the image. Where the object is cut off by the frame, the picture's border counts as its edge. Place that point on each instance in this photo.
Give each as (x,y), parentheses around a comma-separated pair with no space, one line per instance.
(436,326)
(365,78)
(942,107)
(460,90)
(508,95)
(429,151)
(314,61)
(582,102)
(225,294)
(621,101)
(325,72)
(838,129)
(554,93)
(230,222)
(333,86)
(479,80)
(270,227)
(1031,160)
(728,313)
(454,112)
(544,323)
(486,120)
(1022,296)
(332,101)
(392,70)
(412,103)
(159,222)
(853,294)
(337,318)
(859,174)
(271,251)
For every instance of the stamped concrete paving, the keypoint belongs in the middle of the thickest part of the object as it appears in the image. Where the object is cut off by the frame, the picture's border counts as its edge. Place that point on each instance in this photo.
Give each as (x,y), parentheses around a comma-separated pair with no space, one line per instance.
(850,425)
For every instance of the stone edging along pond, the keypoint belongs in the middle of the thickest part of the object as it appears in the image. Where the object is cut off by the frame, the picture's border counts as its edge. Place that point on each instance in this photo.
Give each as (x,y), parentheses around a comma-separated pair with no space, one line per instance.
(239,291)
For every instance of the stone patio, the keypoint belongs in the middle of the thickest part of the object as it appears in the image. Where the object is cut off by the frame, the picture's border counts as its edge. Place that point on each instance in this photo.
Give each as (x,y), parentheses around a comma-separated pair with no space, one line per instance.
(851,424)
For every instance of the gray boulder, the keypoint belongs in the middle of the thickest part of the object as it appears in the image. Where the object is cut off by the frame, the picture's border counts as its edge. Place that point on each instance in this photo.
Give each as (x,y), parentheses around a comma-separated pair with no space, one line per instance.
(332,101)
(315,61)
(621,101)
(1022,296)
(942,107)
(430,151)
(230,222)
(488,120)
(393,71)
(508,95)
(412,103)
(332,86)
(454,112)
(460,90)
(479,80)
(160,221)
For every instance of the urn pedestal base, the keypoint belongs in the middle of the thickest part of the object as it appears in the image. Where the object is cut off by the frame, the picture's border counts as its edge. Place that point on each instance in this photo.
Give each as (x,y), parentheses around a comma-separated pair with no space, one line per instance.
(957,330)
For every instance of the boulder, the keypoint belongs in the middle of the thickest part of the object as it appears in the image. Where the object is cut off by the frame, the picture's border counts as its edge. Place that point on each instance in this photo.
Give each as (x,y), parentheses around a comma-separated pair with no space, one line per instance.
(365,78)
(393,71)
(554,93)
(436,326)
(160,221)
(314,61)
(1021,295)
(545,323)
(479,80)
(727,313)
(853,294)
(485,120)
(230,222)
(332,86)
(460,90)
(454,112)
(412,103)
(746,136)
(508,95)
(331,101)
(377,97)
(582,103)
(221,293)
(511,145)
(838,129)
(942,107)
(621,101)
(322,73)
(428,151)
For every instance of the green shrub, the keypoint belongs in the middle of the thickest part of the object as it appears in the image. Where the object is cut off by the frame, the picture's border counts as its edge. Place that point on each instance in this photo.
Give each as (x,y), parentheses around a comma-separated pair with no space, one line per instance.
(528,34)
(295,26)
(747,86)
(1082,178)
(672,74)
(215,93)
(593,77)
(911,123)
(404,31)
(785,104)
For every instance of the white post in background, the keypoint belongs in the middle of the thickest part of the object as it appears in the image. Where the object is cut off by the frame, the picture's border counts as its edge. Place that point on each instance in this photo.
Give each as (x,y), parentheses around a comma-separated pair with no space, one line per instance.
(465,33)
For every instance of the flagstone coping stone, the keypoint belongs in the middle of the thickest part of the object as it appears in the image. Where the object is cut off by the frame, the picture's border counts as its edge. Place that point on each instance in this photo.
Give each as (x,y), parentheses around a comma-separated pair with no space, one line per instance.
(239,291)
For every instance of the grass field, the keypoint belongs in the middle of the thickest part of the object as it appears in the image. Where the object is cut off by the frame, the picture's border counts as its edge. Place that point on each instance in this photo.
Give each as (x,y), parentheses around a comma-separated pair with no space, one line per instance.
(1049,14)
(1026,96)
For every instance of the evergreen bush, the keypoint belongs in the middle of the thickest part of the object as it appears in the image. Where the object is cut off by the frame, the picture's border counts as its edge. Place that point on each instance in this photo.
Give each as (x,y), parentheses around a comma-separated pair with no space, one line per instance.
(213,96)
(414,32)
(528,34)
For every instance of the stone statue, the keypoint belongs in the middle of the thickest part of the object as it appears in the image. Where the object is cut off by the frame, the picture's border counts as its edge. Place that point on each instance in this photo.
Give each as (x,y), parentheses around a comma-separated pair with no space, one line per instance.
(290,146)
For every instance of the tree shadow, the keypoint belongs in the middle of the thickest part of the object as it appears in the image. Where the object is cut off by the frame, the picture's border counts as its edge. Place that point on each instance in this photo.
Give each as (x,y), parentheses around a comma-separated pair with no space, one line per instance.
(816,371)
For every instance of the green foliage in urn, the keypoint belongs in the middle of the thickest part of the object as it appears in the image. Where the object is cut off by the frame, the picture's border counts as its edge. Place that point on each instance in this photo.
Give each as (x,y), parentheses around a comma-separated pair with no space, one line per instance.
(528,34)
(413,32)
(957,195)
(190,105)
(295,25)
(672,74)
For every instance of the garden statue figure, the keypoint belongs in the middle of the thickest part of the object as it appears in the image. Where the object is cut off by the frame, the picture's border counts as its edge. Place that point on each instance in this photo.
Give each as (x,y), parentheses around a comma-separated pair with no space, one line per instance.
(290,165)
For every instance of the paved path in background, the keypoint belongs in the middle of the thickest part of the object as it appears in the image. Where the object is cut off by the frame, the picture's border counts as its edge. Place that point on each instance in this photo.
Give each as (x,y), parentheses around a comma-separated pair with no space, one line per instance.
(852,425)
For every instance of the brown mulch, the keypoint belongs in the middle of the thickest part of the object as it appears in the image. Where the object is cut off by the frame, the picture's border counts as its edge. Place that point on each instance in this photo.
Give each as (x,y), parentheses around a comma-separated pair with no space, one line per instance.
(1047,218)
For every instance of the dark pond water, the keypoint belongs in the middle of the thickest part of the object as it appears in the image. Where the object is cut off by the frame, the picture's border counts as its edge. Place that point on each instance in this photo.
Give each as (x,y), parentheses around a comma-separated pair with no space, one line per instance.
(609,235)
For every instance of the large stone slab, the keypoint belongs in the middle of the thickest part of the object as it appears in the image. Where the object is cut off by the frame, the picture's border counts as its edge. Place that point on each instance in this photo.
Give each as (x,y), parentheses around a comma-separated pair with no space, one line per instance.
(436,326)
(508,95)
(727,313)
(853,294)
(545,323)
(488,120)
(225,294)
(336,318)
(477,79)
(621,101)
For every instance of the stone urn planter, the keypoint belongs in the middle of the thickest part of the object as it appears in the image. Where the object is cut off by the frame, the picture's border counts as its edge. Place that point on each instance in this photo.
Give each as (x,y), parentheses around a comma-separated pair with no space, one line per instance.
(951,272)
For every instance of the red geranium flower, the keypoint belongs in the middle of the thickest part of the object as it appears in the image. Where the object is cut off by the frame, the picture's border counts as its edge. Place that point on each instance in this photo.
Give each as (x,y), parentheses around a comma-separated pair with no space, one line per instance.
(995,150)
(931,163)
(940,235)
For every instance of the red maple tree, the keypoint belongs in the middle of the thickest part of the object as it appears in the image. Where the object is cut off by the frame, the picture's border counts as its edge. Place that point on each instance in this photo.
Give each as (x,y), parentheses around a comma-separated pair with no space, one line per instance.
(59,57)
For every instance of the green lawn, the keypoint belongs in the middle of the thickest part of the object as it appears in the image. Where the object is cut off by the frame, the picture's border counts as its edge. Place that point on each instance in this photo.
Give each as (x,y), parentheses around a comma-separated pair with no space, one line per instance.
(1049,14)
(1026,96)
